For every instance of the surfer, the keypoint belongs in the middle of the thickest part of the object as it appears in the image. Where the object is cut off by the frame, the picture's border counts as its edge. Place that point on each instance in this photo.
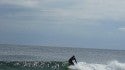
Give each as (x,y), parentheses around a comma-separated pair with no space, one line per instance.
(72,60)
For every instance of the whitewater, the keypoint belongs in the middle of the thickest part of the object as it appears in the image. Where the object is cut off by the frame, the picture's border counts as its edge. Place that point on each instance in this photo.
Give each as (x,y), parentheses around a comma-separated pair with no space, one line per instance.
(113,65)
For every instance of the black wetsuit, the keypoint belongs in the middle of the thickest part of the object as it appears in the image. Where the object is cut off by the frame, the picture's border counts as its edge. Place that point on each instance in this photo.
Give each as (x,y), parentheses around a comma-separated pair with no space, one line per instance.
(71,60)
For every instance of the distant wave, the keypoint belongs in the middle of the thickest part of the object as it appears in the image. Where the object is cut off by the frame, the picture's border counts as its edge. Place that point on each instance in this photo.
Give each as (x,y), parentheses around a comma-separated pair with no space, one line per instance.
(112,65)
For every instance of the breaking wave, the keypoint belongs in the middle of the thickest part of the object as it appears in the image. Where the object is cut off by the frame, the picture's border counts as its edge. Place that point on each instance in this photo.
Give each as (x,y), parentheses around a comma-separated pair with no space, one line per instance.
(113,65)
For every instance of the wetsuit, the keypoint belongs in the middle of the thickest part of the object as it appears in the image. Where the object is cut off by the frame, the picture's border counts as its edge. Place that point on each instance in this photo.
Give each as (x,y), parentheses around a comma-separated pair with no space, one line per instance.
(71,60)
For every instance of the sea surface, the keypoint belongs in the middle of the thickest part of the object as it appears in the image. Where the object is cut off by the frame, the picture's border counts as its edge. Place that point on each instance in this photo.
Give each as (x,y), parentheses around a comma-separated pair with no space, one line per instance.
(22,57)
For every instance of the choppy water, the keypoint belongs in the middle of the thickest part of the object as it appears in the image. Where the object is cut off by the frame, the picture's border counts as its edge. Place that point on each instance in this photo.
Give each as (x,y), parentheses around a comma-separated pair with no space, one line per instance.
(16,57)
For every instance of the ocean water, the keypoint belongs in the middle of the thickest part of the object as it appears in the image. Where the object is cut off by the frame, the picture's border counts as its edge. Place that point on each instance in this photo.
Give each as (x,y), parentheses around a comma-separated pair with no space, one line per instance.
(21,57)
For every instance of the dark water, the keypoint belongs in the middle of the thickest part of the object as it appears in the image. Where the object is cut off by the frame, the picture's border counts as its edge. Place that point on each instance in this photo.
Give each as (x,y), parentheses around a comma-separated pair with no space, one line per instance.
(21,57)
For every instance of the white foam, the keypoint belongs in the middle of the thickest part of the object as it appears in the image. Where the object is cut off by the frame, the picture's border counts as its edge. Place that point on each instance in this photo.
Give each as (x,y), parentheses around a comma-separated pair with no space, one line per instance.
(113,65)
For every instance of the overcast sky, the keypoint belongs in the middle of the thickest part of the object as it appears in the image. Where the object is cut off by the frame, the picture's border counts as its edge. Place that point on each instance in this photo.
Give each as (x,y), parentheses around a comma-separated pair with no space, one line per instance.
(66,23)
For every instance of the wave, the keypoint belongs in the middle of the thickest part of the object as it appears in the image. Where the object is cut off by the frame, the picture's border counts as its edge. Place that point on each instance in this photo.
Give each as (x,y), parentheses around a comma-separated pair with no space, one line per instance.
(55,65)
(112,65)
(33,65)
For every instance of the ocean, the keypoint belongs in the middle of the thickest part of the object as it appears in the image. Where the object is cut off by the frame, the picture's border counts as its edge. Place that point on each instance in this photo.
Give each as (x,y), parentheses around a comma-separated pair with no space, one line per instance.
(22,57)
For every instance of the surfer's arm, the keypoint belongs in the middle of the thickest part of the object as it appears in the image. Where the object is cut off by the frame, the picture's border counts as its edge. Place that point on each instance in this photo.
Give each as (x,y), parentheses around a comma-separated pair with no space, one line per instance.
(75,61)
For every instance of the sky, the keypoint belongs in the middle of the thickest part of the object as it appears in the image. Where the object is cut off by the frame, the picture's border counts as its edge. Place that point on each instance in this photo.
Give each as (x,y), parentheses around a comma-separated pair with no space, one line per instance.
(63,23)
